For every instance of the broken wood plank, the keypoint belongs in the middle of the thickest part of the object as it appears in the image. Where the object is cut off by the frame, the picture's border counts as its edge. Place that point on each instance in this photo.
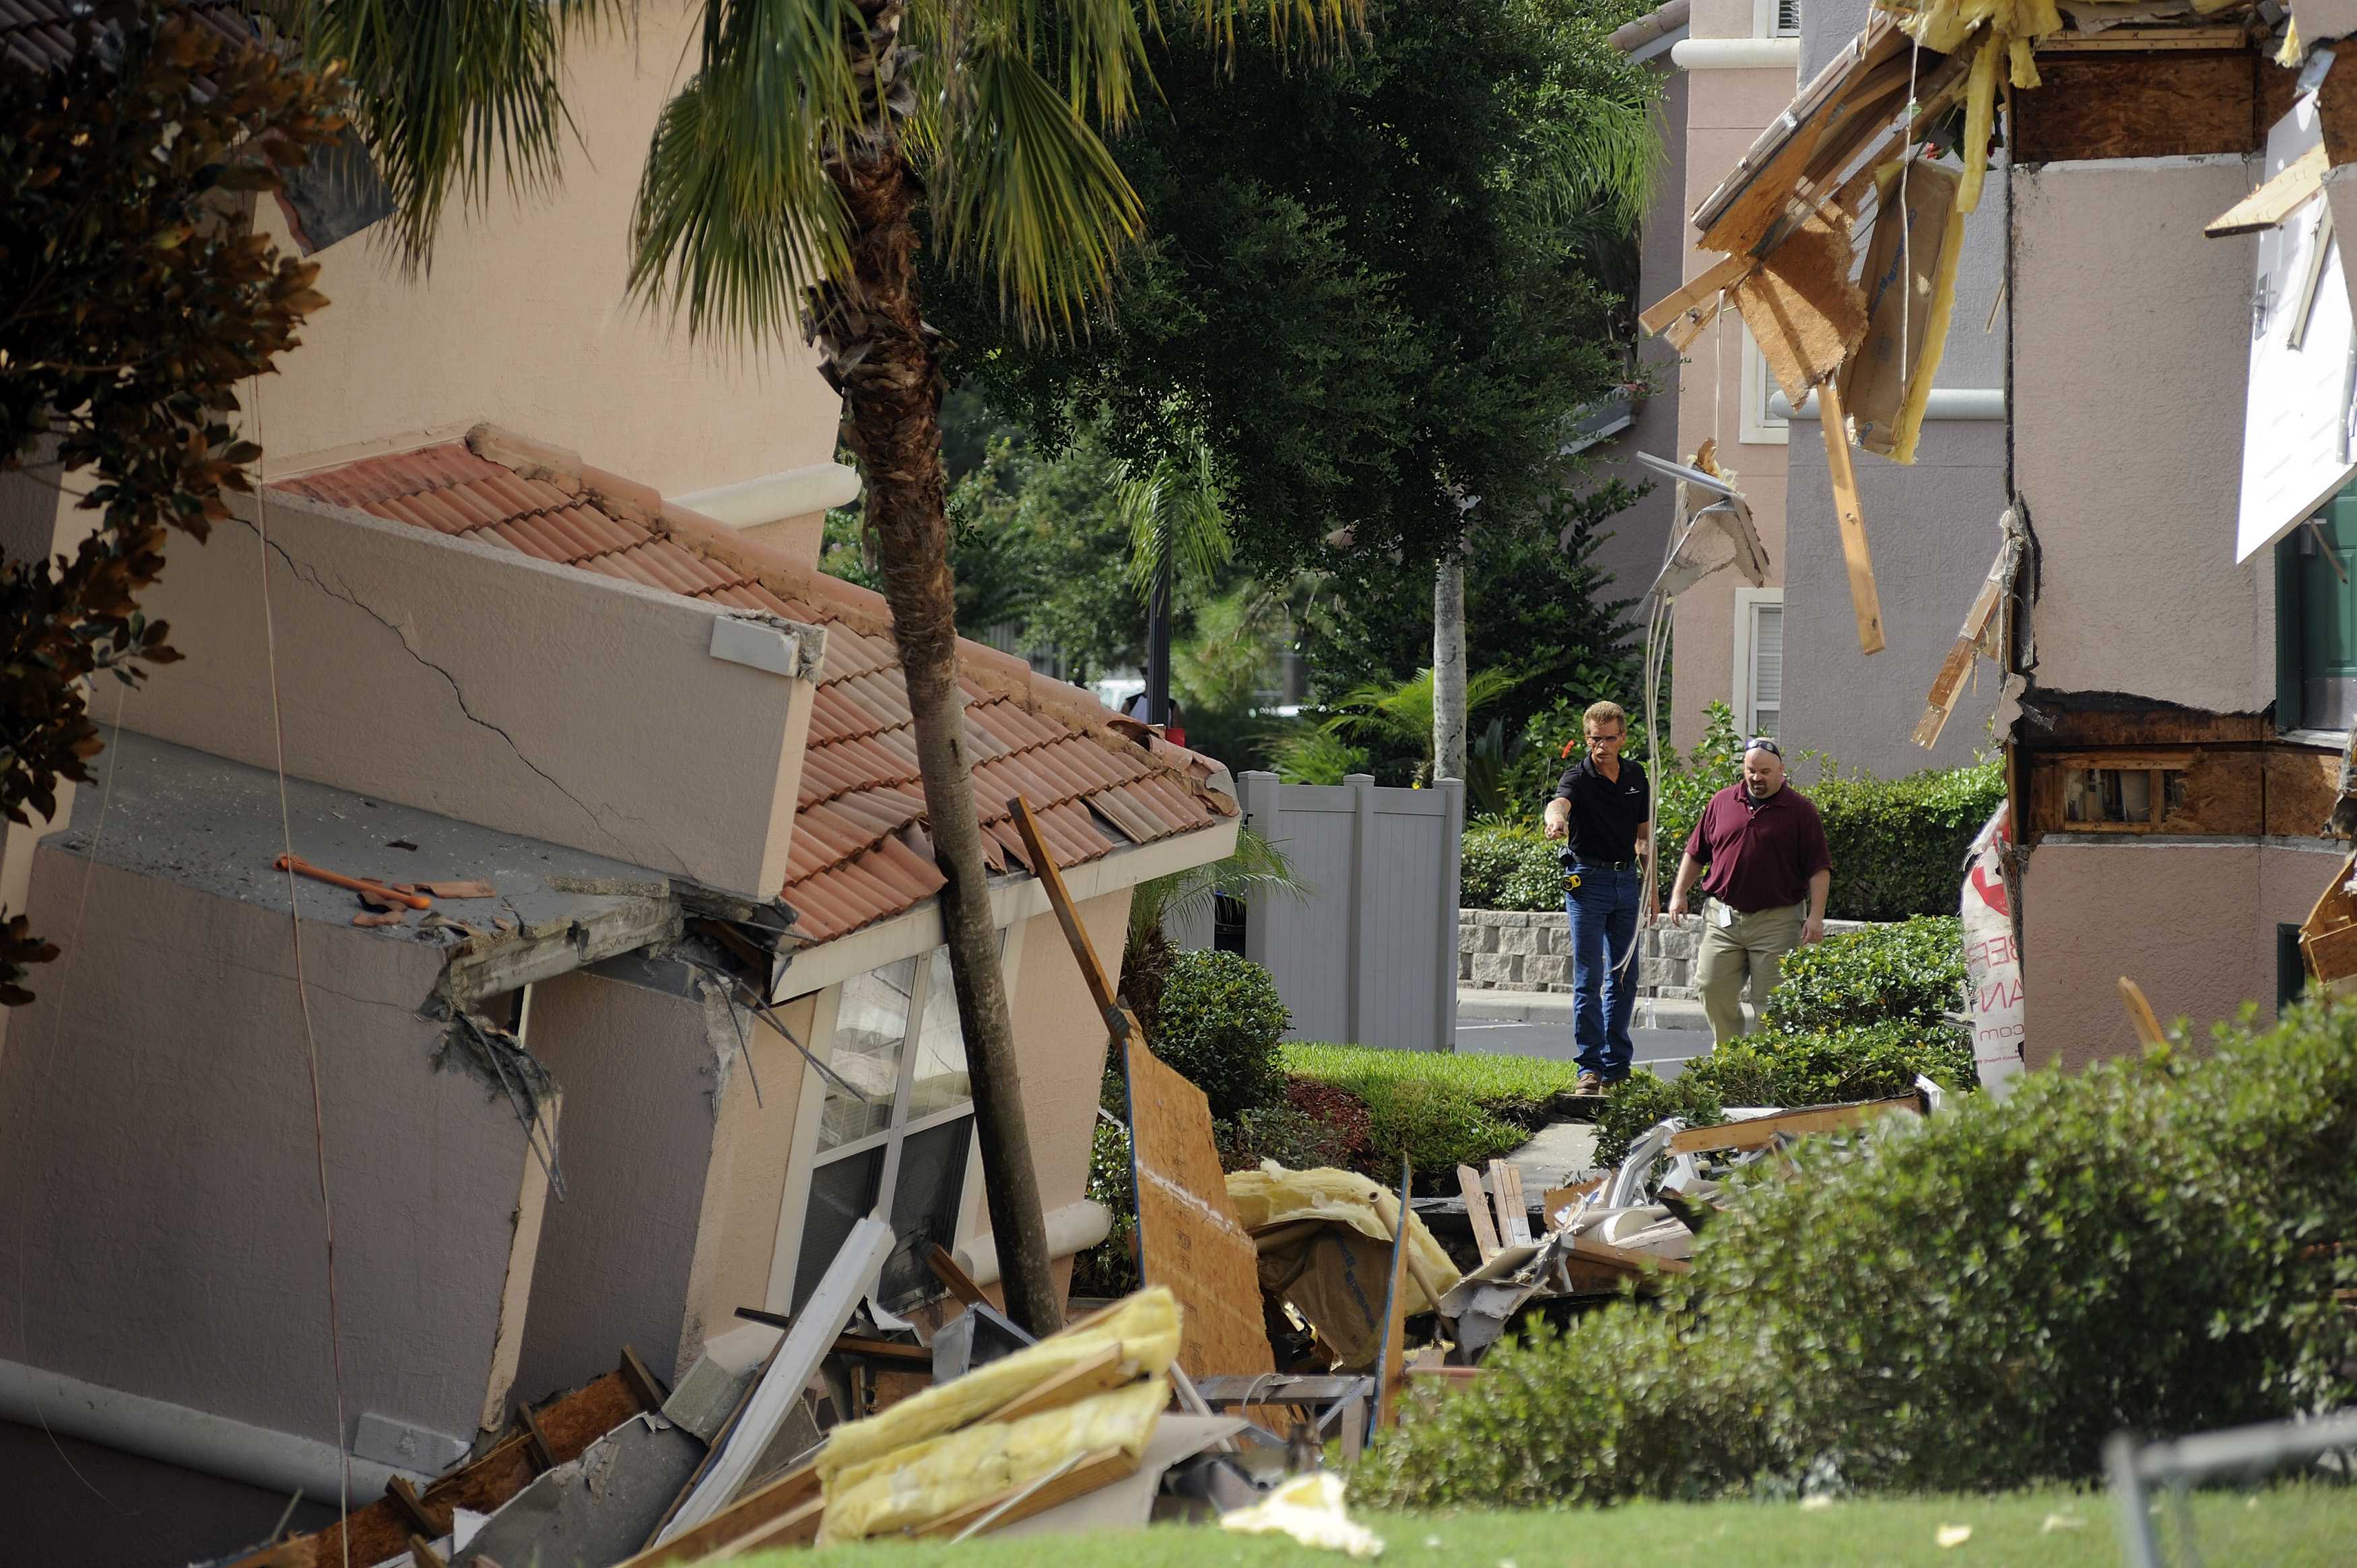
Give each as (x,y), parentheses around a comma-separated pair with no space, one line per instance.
(1804,311)
(794,1495)
(1556,1198)
(1107,1369)
(423,1555)
(1948,685)
(1391,1356)
(1758,1132)
(2273,201)
(799,1527)
(2140,1015)
(1091,1471)
(1477,1212)
(1696,292)
(1681,333)
(1513,1214)
(1589,1250)
(2144,41)
(542,1454)
(645,1387)
(1865,604)
(954,1280)
(412,1509)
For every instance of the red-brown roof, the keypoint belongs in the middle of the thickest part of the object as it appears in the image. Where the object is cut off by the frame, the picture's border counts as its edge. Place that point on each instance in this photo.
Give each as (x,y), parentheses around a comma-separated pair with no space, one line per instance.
(858,852)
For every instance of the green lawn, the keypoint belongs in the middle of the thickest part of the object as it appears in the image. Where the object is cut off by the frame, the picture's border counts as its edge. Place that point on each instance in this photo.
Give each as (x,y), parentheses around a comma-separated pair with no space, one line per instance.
(1443,1109)
(1490,1079)
(2287,1527)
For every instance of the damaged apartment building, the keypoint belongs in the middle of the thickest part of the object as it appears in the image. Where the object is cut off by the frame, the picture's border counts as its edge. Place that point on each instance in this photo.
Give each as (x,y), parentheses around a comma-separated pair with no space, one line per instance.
(675,1013)
(2169,561)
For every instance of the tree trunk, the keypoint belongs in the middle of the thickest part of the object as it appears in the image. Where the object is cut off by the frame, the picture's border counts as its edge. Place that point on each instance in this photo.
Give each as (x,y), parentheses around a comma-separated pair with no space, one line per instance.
(1157,644)
(1449,667)
(887,363)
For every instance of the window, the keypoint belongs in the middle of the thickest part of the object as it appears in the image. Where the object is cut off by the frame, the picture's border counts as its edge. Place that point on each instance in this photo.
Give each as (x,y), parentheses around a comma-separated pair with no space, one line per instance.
(1760,426)
(1758,685)
(1776,18)
(2315,620)
(895,1131)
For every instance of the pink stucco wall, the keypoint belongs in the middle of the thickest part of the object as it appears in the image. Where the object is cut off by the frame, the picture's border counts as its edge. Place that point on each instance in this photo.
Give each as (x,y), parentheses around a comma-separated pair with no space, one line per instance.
(484,686)
(2192,923)
(2131,346)
(163,1235)
(524,319)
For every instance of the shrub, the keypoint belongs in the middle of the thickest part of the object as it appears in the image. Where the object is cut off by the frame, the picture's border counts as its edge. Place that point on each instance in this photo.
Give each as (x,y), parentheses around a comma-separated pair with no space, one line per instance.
(1912,971)
(1507,866)
(1641,1100)
(1294,1139)
(1898,845)
(1872,1062)
(1220,1022)
(1110,1268)
(1968,1303)
(1441,1110)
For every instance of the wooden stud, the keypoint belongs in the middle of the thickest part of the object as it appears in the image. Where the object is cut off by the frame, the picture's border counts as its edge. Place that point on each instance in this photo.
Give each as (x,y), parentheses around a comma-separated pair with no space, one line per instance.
(1102,1468)
(954,1280)
(2140,1015)
(423,1555)
(1948,685)
(1864,603)
(1100,1373)
(644,1386)
(1391,1355)
(1696,292)
(412,1509)
(794,1496)
(542,1454)
(1757,1131)
(1477,1212)
(1513,1213)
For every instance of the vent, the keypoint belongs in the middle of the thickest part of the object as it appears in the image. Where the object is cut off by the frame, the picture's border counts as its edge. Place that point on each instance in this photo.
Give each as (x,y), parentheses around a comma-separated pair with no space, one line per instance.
(1787,18)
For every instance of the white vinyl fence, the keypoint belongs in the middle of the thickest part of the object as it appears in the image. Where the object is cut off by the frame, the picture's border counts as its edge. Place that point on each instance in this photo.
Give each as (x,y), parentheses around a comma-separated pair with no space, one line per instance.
(1370,956)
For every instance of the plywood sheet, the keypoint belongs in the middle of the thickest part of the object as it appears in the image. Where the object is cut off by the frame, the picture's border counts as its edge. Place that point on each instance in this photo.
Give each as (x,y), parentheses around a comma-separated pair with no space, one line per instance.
(2301,787)
(1803,308)
(2164,105)
(1189,1237)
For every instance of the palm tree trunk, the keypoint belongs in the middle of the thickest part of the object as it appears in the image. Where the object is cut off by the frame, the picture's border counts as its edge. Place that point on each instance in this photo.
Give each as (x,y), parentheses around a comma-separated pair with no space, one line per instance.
(887,362)
(1449,718)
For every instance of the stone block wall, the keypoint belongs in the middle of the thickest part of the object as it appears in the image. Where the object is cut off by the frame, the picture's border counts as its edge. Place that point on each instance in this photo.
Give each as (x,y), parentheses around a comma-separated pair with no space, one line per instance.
(1514,949)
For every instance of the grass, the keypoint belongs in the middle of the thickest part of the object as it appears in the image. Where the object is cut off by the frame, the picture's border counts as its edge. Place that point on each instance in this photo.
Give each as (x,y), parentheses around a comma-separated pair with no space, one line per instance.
(1441,1109)
(2293,1526)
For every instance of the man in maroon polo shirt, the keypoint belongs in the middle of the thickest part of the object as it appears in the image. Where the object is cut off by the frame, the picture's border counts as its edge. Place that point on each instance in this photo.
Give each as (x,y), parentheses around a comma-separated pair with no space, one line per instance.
(1765,894)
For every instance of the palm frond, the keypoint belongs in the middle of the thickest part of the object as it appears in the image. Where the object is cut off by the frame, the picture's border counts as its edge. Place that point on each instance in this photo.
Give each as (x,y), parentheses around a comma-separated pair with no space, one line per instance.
(1402,711)
(1312,754)
(735,216)
(449,94)
(1174,512)
(1025,191)
(1306,27)
(1256,868)
(1596,155)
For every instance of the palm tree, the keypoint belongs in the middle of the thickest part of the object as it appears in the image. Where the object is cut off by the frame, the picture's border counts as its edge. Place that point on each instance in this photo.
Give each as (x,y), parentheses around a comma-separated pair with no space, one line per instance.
(781,193)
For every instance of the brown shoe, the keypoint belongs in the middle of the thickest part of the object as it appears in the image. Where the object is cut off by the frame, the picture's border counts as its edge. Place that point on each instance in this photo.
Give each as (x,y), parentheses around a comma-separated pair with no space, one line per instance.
(1590,1084)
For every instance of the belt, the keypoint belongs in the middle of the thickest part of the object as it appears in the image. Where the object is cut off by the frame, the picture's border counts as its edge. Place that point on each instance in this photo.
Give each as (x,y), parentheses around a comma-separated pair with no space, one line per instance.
(1604,865)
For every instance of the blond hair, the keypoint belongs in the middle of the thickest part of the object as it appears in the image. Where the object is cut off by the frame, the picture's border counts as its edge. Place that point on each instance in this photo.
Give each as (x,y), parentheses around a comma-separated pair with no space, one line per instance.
(1598,712)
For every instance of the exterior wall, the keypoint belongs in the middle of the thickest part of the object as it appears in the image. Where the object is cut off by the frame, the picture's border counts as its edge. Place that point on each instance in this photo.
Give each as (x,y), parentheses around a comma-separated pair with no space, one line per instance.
(1633,551)
(2128,434)
(522,318)
(165,1198)
(484,686)
(1933,525)
(1726,112)
(1061,1045)
(751,1146)
(2093,912)
(67,1500)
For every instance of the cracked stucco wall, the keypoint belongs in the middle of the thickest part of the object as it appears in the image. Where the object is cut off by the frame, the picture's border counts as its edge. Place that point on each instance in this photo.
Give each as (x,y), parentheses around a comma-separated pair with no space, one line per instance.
(477,682)
(162,1232)
(672,1170)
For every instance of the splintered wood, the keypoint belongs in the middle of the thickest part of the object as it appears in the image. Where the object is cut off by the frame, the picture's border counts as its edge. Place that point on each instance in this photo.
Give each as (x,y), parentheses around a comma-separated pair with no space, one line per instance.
(1803,309)
(1865,602)
(1188,1234)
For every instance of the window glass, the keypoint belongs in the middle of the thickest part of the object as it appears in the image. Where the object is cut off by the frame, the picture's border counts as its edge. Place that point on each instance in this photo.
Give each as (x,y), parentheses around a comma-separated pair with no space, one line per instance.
(925,1201)
(871,1028)
(843,1193)
(941,1081)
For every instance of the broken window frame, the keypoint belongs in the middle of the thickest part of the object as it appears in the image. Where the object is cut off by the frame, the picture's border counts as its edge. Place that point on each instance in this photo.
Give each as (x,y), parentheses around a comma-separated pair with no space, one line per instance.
(892,1139)
(2162,778)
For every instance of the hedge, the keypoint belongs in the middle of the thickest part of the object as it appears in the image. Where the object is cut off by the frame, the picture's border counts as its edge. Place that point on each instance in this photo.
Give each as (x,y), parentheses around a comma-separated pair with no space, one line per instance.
(1970,1301)
(1440,1109)
(1898,843)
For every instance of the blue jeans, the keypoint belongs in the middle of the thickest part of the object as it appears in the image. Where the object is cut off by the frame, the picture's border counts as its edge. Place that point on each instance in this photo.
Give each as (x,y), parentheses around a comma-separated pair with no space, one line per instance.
(1603,911)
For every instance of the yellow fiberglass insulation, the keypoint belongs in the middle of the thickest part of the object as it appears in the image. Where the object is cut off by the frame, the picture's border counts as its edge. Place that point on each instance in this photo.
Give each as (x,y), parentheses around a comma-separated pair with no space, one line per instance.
(1146,1325)
(912,1487)
(1274,1196)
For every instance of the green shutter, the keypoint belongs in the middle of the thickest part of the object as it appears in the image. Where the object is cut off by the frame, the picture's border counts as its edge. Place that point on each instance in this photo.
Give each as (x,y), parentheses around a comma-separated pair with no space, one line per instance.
(2317,605)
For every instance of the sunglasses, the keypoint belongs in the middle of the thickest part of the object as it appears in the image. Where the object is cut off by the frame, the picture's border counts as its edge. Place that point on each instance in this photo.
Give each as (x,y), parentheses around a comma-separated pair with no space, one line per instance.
(1763,743)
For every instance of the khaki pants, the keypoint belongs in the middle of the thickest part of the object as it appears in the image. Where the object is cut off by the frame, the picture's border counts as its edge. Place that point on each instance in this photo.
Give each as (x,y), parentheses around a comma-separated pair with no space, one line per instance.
(1752,948)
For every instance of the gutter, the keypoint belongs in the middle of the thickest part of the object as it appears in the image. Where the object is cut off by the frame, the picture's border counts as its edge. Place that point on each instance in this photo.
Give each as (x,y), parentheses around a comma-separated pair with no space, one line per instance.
(774,497)
(1970,403)
(193,1439)
(1738,54)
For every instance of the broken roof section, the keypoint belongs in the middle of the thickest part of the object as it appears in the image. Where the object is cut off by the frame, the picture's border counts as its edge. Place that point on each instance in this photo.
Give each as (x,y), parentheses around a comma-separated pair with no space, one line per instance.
(858,853)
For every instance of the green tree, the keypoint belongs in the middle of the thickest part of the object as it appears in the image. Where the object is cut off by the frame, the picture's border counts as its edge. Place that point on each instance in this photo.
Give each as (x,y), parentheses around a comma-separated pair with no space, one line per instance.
(133,300)
(819,148)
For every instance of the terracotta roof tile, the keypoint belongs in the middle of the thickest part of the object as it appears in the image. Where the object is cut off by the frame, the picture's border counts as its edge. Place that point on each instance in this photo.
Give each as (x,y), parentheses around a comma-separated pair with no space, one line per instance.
(847,865)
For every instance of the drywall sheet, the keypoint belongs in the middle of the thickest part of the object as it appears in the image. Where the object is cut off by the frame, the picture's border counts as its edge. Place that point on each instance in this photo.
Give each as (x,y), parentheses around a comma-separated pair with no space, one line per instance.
(2296,429)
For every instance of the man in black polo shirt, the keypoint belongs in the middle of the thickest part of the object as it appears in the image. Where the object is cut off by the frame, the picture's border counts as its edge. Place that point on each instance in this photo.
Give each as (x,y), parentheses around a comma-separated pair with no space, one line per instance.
(1603,808)
(1769,872)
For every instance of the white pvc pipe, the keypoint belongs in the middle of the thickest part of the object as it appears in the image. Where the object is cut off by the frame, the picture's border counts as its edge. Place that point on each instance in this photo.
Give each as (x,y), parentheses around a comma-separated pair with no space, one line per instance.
(1986,403)
(194,1439)
(1075,1228)
(773,497)
(1736,54)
